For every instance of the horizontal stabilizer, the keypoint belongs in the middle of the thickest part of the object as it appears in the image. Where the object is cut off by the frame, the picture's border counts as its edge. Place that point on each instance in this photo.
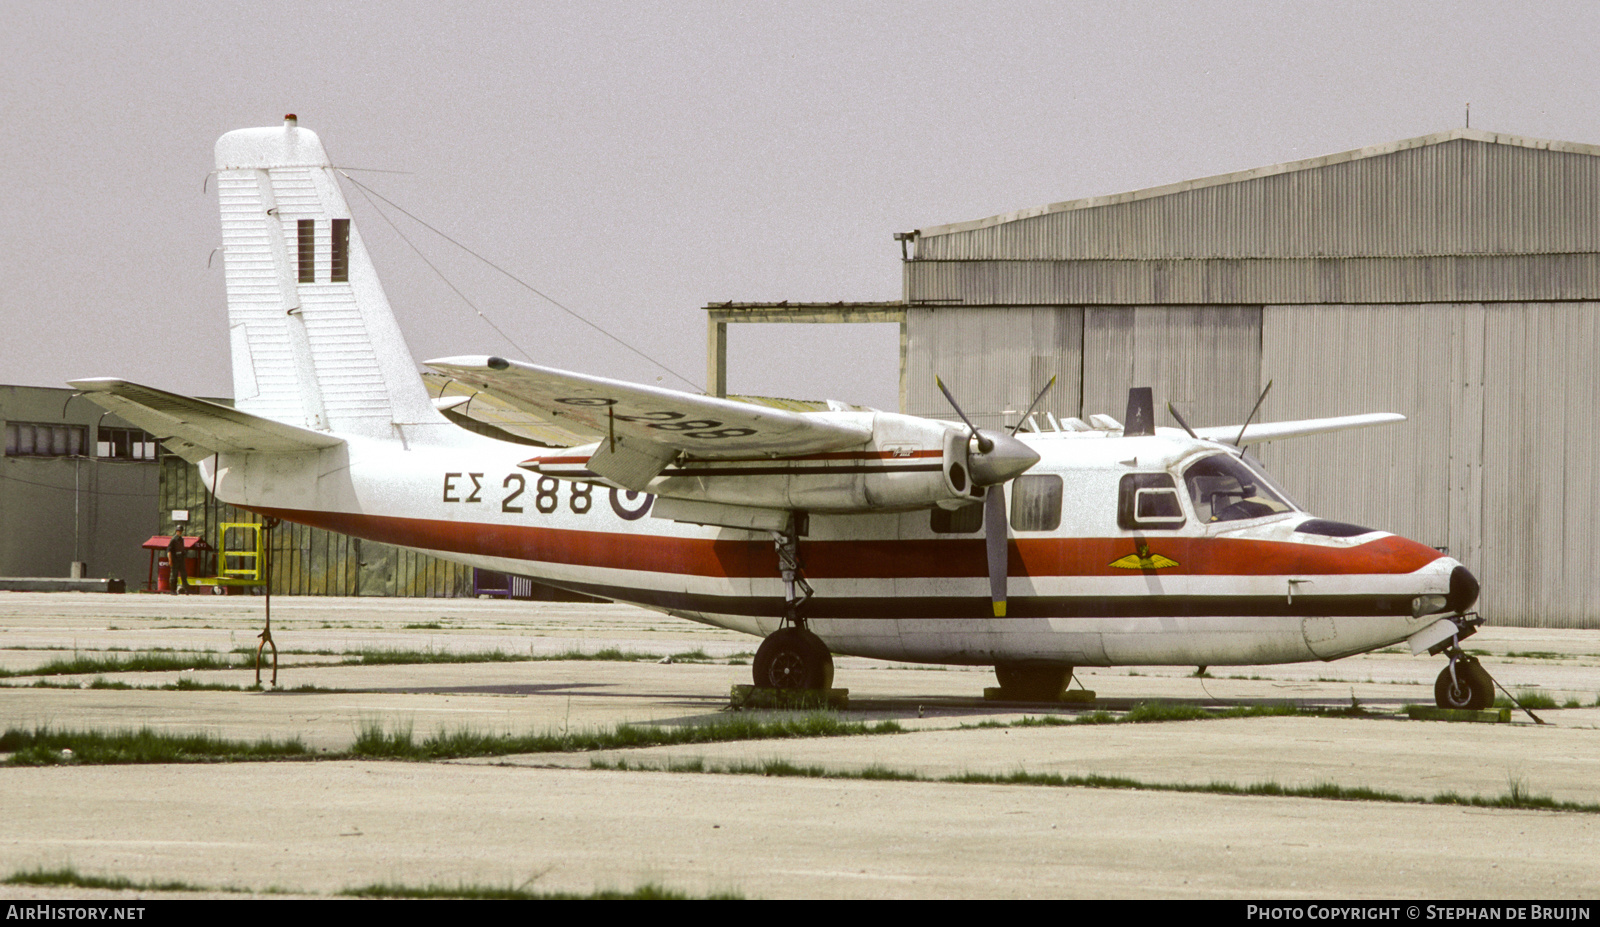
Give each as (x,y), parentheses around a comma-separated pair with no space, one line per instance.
(1274,431)
(652,422)
(194,429)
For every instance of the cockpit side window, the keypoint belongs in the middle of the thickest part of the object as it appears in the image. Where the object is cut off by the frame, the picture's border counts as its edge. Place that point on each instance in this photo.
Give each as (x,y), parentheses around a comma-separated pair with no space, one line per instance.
(1149,500)
(1225,488)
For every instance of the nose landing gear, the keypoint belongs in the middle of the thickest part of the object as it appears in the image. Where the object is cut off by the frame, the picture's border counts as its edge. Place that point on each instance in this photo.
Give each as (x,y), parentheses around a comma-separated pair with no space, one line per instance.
(1464,683)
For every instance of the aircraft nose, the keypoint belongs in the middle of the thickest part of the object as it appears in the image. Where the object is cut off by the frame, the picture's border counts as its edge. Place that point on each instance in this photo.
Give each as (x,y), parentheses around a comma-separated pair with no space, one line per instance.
(1006,458)
(1463,590)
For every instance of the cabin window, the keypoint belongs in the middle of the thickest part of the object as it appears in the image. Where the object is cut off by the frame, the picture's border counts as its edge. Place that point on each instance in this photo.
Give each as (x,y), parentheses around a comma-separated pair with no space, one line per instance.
(308,250)
(965,520)
(1036,502)
(29,439)
(1225,488)
(341,251)
(1149,500)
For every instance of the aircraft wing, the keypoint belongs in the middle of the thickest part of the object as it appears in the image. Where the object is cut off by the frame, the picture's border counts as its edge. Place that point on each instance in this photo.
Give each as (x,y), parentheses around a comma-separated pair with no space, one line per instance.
(194,429)
(1274,431)
(643,428)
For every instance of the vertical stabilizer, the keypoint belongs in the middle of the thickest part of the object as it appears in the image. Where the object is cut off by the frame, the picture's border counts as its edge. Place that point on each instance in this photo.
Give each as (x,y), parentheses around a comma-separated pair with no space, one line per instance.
(315,343)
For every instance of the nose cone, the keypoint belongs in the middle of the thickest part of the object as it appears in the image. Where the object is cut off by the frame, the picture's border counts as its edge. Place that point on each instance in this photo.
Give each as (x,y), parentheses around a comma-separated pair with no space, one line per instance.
(1463,590)
(1006,458)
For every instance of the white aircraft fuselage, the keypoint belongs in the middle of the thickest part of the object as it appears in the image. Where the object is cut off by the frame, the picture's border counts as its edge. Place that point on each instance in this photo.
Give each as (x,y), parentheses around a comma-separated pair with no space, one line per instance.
(1276,588)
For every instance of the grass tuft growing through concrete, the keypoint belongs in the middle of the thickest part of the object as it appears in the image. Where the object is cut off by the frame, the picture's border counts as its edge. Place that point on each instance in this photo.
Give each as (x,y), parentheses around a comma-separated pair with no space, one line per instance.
(374,740)
(134,663)
(646,892)
(68,877)
(45,746)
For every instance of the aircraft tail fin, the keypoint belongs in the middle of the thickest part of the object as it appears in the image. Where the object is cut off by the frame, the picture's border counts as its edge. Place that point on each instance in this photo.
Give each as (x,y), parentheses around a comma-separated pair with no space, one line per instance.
(315,343)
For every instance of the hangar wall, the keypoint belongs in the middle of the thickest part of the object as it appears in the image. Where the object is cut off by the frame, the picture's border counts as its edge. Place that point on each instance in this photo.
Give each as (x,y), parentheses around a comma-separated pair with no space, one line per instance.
(1497,461)
(1454,278)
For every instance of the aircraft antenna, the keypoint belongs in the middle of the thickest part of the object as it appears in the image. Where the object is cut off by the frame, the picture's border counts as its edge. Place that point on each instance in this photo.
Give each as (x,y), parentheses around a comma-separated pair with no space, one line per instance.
(370,193)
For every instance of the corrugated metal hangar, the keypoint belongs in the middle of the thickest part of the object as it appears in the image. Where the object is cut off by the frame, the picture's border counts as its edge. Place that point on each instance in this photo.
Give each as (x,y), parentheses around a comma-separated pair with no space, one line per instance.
(1454,278)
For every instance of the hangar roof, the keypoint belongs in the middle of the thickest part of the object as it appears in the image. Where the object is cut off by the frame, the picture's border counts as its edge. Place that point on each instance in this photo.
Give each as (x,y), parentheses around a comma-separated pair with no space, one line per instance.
(1464,191)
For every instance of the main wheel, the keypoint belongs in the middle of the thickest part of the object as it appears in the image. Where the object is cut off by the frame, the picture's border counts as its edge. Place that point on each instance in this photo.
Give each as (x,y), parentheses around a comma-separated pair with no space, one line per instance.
(793,658)
(1033,683)
(1471,688)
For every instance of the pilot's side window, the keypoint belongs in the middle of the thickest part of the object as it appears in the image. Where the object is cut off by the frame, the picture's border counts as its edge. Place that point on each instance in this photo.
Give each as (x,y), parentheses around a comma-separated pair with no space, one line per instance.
(1036,502)
(1149,500)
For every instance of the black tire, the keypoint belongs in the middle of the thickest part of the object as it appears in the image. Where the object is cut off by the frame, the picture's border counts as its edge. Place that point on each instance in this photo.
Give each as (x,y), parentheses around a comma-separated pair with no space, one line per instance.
(793,658)
(1471,689)
(1032,683)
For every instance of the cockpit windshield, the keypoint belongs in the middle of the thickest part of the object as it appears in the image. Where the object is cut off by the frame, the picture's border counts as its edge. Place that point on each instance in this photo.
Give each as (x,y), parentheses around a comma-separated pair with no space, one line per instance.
(1225,488)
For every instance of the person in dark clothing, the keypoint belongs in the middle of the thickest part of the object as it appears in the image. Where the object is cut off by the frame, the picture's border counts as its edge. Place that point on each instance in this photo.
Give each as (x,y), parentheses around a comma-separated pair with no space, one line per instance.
(178,563)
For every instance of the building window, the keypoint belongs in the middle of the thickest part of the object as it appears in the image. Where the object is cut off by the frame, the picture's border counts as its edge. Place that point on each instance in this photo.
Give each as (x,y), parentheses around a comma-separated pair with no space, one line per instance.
(308,250)
(341,250)
(29,439)
(125,444)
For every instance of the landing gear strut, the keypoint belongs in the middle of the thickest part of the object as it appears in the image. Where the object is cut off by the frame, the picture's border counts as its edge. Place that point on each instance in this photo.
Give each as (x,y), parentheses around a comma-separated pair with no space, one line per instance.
(792,657)
(1464,683)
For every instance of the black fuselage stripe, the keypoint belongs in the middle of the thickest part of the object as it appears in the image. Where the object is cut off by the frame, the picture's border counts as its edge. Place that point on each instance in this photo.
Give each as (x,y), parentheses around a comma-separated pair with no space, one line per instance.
(889,608)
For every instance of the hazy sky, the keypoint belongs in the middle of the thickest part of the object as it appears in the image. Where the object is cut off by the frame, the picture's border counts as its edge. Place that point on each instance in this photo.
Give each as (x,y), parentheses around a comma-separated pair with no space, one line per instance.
(636,161)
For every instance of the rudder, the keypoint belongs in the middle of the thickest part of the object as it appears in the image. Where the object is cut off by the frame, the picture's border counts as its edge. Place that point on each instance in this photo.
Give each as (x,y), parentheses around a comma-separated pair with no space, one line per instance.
(314,340)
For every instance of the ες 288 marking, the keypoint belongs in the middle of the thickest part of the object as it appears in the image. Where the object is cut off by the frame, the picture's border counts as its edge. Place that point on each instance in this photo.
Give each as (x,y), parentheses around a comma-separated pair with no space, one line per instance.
(468,487)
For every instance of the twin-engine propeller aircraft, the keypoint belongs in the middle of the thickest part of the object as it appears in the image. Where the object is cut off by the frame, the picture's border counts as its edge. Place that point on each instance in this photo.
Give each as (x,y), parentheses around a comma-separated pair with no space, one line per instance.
(843,531)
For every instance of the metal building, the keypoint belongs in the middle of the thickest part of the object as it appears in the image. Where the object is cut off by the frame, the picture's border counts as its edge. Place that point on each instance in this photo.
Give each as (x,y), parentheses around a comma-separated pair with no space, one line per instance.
(78,489)
(1454,278)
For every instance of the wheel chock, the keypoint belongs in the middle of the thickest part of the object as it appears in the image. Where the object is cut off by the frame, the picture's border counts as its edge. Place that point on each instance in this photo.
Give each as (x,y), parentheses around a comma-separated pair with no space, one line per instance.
(1430,713)
(1073,696)
(748,697)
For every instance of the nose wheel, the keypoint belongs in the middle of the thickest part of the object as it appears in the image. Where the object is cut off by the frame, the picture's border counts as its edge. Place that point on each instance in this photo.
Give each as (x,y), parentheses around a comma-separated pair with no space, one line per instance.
(1464,684)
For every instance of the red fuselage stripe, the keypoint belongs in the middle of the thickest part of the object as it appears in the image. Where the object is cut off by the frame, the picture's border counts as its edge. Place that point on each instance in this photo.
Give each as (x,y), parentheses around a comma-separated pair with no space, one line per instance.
(871,559)
(837,455)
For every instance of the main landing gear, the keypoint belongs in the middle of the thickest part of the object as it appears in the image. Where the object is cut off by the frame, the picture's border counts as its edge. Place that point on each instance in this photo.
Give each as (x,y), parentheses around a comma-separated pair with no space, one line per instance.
(1025,683)
(792,657)
(1464,683)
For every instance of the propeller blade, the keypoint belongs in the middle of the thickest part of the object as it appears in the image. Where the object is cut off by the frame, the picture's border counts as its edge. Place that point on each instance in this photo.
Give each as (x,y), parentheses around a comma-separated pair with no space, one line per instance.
(994,539)
(984,444)
(1179,419)
(1239,441)
(1031,405)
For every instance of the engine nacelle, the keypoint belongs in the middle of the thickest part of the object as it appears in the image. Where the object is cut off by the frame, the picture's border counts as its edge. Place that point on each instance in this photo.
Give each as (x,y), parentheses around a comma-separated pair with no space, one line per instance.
(910,463)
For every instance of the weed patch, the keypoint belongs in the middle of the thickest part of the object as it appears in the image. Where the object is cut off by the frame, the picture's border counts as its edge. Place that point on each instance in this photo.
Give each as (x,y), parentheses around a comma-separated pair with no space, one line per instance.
(44,746)
(376,741)
(68,877)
